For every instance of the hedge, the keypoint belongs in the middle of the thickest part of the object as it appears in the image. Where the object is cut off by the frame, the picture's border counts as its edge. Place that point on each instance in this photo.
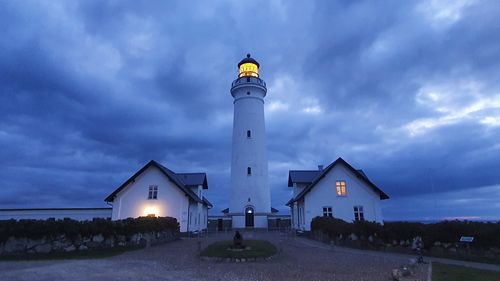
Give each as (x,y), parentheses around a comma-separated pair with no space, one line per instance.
(486,234)
(51,228)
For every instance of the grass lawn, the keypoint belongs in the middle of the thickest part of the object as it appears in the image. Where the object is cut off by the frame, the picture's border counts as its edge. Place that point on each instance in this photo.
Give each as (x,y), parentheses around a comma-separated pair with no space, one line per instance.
(442,272)
(259,248)
(470,258)
(89,254)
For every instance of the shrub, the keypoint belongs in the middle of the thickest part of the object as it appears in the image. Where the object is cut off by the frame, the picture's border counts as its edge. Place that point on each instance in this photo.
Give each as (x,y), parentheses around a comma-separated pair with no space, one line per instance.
(486,235)
(51,228)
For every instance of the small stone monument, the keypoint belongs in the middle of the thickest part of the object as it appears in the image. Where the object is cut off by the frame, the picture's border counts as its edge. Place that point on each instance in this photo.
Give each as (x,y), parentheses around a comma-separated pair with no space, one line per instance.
(238,241)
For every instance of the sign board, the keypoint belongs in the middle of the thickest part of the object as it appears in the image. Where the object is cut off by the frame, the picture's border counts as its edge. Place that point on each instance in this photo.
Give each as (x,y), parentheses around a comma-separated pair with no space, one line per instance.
(467,239)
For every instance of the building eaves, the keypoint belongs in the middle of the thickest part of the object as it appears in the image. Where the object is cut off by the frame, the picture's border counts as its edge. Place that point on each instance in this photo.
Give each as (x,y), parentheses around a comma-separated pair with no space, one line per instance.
(358,173)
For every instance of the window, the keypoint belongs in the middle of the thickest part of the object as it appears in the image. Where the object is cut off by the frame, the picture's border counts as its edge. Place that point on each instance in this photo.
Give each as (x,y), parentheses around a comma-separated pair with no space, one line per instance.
(153,192)
(249,134)
(327,212)
(358,213)
(340,188)
(249,171)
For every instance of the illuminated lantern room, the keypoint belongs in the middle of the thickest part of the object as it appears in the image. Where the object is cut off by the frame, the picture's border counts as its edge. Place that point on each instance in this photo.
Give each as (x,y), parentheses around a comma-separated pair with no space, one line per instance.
(248,67)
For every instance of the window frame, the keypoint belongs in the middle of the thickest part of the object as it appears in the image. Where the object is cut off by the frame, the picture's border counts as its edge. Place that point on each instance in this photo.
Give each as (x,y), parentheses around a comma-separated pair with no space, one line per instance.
(341,188)
(153,192)
(359,213)
(328,211)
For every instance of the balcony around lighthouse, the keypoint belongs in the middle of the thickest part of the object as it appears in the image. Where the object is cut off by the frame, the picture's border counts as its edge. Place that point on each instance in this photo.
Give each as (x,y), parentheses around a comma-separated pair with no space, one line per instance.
(248,80)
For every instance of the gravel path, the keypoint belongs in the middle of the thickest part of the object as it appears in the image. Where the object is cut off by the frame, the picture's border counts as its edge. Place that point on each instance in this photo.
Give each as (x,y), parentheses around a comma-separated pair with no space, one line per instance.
(298,259)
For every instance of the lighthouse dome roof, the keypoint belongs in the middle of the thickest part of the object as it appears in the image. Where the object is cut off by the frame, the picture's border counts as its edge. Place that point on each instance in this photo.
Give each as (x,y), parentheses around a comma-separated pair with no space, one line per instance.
(248,59)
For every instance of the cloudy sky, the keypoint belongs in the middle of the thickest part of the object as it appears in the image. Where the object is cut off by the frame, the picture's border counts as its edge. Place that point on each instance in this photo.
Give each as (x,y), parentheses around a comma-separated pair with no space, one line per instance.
(408,91)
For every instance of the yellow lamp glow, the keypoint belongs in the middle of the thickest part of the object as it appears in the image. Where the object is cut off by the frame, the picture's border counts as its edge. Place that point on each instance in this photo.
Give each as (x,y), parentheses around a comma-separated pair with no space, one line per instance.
(150,211)
(249,69)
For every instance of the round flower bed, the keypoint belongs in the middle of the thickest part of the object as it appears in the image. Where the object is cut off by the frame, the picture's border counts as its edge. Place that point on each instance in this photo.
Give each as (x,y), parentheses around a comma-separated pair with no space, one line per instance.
(253,250)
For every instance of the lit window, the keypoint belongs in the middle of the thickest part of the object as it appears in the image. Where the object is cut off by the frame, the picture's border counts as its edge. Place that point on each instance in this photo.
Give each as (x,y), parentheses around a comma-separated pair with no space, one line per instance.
(153,192)
(340,188)
(249,171)
(327,212)
(249,134)
(358,213)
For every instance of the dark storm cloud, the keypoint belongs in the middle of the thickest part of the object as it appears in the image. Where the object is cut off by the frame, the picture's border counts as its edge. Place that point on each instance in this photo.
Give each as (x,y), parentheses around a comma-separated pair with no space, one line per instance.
(407,91)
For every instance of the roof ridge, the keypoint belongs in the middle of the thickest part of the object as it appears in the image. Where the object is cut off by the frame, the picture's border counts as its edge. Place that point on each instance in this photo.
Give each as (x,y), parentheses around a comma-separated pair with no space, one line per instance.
(167,172)
(326,170)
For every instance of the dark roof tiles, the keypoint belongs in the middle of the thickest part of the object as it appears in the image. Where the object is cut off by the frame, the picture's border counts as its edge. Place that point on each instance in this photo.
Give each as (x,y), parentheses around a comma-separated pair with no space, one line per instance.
(302,176)
(193,179)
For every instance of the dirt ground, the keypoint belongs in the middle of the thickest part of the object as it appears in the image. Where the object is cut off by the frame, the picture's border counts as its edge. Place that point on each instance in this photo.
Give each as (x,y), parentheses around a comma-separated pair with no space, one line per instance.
(298,259)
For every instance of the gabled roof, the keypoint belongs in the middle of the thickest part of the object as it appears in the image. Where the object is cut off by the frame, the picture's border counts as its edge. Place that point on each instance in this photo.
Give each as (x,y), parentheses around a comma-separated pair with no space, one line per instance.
(171,176)
(206,202)
(193,179)
(321,174)
(302,176)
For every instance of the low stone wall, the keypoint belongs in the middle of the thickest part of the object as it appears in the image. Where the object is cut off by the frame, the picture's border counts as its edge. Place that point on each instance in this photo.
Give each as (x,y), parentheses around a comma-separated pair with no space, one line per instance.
(457,250)
(21,246)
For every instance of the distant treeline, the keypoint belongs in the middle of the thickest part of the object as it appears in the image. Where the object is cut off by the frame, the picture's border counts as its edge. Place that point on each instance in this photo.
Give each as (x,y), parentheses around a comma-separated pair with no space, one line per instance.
(486,234)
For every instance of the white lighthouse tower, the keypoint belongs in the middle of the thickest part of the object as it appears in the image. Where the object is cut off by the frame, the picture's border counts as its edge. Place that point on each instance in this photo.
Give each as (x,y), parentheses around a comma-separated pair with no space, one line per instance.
(250,201)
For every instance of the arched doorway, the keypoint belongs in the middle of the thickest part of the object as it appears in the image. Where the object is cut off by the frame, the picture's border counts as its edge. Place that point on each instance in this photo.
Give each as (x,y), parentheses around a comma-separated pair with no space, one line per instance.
(249,215)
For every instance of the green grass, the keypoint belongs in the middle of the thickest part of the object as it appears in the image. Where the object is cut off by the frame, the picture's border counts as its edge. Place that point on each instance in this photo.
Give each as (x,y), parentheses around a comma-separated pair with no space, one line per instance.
(442,272)
(75,255)
(259,248)
(471,258)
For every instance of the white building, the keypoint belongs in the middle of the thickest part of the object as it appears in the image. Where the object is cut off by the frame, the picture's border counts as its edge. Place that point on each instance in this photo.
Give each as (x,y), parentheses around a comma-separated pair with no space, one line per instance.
(157,191)
(338,191)
(250,198)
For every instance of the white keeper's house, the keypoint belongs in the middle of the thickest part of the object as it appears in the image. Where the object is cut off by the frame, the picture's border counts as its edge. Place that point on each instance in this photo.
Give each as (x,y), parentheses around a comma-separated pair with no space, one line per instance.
(157,191)
(339,191)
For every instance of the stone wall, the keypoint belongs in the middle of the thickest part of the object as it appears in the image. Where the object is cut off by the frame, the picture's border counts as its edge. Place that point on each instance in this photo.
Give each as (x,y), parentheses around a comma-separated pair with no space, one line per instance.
(279,223)
(452,250)
(61,243)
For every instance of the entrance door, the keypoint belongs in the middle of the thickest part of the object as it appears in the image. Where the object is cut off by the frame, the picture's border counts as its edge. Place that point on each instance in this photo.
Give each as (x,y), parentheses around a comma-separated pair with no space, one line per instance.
(219,224)
(249,214)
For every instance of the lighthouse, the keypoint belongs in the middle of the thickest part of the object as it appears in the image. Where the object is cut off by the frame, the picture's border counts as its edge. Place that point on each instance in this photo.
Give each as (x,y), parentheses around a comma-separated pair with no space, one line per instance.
(250,197)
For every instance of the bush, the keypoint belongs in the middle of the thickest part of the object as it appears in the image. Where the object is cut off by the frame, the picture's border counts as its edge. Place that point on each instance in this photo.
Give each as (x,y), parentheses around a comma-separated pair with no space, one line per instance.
(486,235)
(51,228)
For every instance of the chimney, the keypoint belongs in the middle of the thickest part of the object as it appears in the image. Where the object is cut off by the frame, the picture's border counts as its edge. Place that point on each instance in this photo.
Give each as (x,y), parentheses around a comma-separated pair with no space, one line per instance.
(320,167)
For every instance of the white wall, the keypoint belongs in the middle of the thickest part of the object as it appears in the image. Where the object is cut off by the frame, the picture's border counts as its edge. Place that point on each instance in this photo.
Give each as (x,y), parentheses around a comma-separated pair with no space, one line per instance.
(57,213)
(259,221)
(238,221)
(249,152)
(132,201)
(323,194)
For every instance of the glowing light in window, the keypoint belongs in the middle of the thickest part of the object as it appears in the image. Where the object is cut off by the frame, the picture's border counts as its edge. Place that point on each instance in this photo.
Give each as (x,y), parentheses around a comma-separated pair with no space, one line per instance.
(249,69)
(341,191)
(150,211)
